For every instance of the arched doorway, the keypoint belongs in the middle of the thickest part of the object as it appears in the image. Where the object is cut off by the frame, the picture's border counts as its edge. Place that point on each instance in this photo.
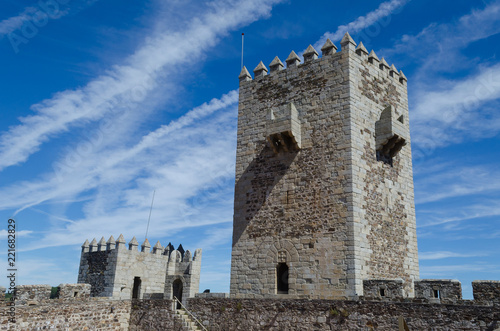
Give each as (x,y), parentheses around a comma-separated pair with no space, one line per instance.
(177,291)
(282,278)
(136,291)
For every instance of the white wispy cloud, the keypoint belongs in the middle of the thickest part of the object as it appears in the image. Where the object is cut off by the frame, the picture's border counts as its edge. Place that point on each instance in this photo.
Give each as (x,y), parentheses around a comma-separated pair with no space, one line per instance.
(465,213)
(455,110)
(449,271)
(34,17)
(133,81)
(445,255)
(457,182)
(22,233)
(14,23)
(438,47)
(189,162)
(385,9)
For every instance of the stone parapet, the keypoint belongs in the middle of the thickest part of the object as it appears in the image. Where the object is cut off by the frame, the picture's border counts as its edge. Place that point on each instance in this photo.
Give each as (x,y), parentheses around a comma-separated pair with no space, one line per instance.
(438,290)
(72,291)
(32,294)
(68,315)
(271,314)
(486,291)
(211,295)
(383,289)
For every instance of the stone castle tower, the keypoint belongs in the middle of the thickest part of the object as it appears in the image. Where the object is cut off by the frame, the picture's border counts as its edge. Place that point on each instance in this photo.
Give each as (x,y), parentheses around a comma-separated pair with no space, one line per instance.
(324,185)
(120,272)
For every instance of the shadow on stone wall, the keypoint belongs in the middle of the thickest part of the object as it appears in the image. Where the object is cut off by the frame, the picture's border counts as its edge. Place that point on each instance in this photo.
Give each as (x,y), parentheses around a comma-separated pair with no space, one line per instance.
(256,183)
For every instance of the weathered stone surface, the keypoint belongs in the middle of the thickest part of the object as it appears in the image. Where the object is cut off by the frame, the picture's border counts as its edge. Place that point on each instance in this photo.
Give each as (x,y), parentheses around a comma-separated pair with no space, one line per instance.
(33,293)
(438,290)
(382,290)
(96,314)
(486,291)
(272,314)
(154,315)
(72,291)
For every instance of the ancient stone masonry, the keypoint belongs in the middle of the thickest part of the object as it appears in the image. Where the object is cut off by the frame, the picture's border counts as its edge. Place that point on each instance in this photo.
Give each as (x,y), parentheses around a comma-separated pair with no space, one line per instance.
(324,185)
(486,292)
(32,294)
(120,272)
(439,290)
(300,314)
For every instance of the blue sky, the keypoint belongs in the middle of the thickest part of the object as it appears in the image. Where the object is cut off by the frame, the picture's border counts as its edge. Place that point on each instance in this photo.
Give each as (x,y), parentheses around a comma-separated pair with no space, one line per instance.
(103,102)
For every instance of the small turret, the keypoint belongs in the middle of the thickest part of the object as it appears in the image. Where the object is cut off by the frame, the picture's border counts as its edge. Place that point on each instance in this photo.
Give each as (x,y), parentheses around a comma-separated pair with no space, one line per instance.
(146,246)
(402,77)
(101,246)
(111,243)
(120,242)
(187,256)
(276,65)
(244,75)
(260,70)
(383,65)
(157,248)
(180,249)
(393,72)
(328,48)
(292,60)
(347,42)
(85,246)
(373,58)
(133,244)
(361,49)
(168,249)
(93,245)
(197,255)
(310,54)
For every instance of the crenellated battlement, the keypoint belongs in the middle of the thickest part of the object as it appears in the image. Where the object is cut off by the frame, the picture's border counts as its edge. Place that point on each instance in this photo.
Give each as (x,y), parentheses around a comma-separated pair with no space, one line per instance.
(328,52)
(172,254)
(122,270)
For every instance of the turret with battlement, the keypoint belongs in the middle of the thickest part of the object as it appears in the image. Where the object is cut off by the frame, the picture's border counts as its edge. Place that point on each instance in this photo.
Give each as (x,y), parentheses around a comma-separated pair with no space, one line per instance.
(120,271)
(324,185)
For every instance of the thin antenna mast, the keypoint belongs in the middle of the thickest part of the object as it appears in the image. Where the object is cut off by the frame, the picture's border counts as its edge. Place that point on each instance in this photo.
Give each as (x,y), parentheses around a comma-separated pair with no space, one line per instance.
(150,210)
(242,43)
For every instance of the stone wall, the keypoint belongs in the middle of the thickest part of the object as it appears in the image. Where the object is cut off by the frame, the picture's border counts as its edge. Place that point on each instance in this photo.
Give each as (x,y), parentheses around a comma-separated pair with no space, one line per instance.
(486,291)
(383,216)
(72,291)
(31,294)
(439,290)
(154,315)
(269,314)
(95,314)
(382,290)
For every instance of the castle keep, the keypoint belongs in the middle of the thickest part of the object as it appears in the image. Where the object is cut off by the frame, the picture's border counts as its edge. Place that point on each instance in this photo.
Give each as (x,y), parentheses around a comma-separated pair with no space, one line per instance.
(324,184)
(120,272)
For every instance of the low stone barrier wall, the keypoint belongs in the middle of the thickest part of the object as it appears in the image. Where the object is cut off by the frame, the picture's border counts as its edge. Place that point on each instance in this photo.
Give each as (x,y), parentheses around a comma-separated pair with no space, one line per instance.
(59,314)
(275,314)
(154,315)
(486,291)
(27,294)
(439,290)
